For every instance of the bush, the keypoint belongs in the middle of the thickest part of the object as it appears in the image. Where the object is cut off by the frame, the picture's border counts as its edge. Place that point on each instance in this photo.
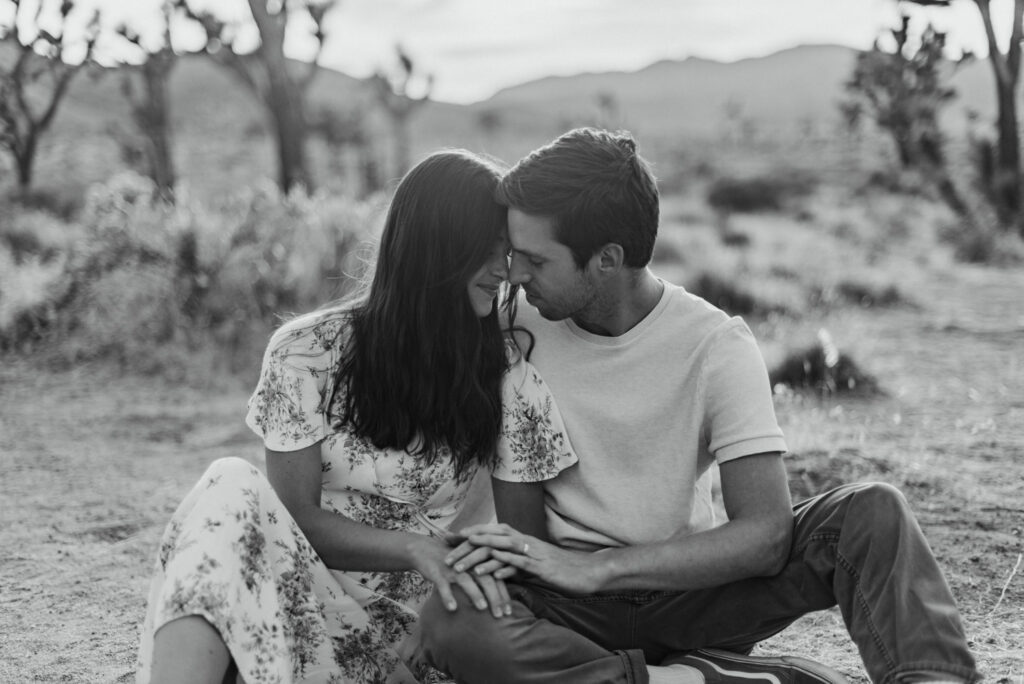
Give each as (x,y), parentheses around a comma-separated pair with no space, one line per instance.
(731,298)
(823,369)
(759,193)
(142,281)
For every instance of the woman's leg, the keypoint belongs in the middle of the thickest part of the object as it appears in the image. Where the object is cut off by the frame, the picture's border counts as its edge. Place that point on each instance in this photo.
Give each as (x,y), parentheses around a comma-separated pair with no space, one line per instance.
(190,640)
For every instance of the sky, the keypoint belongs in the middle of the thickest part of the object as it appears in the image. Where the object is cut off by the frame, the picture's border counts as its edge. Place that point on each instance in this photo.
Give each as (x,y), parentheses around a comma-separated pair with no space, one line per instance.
(473,48)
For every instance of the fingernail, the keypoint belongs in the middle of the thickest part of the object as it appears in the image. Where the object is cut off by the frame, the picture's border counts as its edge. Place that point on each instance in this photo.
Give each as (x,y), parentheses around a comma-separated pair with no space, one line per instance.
(448,560)
(508,610)
(482,605)
(478,571)
(450,606)
(460,567)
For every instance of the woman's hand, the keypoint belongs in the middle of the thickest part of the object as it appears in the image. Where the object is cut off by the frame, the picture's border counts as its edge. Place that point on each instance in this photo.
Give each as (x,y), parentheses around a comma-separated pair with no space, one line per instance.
(427,556)
(489,547)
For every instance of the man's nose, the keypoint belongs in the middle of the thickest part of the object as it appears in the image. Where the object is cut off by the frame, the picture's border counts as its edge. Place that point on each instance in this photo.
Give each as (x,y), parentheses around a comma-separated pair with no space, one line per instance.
(517,273)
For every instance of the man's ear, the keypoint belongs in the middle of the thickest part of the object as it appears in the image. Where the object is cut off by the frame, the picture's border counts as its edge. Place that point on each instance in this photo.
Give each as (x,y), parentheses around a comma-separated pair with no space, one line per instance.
(609,258)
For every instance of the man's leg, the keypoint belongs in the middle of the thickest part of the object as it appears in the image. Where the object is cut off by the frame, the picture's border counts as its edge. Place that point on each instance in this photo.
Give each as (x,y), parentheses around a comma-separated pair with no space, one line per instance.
(534,645)
(857,546)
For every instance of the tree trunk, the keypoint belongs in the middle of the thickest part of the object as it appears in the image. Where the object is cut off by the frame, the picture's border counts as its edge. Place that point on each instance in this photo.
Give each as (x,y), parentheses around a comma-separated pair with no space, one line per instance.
(285,103)
(1006,180)
(25,158)
(156,124)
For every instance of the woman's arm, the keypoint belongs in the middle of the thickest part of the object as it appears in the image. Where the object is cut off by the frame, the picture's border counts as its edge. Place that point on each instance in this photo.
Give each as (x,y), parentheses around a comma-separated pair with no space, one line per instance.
(345,544)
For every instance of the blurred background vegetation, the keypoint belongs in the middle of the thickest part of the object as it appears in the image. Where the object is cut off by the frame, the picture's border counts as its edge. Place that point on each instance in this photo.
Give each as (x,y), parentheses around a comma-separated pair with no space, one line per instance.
(166,212)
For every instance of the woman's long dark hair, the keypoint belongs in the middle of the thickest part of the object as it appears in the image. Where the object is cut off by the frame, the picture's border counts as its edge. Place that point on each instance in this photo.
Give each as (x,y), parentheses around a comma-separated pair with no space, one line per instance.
(421,370)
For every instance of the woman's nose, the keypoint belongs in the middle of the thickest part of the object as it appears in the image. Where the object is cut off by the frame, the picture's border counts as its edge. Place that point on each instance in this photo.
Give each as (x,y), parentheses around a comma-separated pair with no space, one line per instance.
(500,267)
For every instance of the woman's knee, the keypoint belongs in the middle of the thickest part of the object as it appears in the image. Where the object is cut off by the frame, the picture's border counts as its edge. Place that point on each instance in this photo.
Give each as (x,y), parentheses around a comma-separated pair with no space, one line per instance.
(233,469)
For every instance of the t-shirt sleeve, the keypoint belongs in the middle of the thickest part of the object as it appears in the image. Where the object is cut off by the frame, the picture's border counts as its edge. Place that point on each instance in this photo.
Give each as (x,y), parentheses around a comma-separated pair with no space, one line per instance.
(740,416)
(288,408)
(533,445)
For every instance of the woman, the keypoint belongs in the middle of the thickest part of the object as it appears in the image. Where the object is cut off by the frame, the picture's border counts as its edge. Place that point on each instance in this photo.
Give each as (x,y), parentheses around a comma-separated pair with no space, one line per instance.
(376,416)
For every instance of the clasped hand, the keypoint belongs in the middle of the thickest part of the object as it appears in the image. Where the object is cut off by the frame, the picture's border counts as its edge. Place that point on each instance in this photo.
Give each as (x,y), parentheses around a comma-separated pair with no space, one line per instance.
(484,589)
(499,551)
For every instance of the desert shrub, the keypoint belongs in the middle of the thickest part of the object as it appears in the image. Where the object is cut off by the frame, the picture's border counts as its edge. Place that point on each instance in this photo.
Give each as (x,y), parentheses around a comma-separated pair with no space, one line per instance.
(732,298)
(981,240)
(858,293)
(141,280)
(29,288)
(759,193)
(822,368)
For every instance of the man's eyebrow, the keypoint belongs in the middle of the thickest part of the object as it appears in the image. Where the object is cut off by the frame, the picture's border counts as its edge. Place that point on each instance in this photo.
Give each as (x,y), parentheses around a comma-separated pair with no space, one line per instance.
(528,253)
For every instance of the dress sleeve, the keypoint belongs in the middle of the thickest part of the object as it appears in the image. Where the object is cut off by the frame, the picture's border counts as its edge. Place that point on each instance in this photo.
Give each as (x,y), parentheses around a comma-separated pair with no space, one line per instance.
(533,444)
(288,408)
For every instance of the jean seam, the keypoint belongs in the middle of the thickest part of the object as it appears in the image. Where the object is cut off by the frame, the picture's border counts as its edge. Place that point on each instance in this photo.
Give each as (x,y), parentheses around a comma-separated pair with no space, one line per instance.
(865,607)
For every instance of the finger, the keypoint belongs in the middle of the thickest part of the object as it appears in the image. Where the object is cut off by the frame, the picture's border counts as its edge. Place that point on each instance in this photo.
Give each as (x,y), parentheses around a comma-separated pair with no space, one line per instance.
(472,590)
(444,591)
(515,543)
(514,559)
(490,589)
(459,552)
(487,528)
(505,573)
(487,567)
(477,556)
(506,599)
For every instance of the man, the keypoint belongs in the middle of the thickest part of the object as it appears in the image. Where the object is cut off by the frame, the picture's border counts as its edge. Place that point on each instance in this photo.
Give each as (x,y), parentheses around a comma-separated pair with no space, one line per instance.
(625,575)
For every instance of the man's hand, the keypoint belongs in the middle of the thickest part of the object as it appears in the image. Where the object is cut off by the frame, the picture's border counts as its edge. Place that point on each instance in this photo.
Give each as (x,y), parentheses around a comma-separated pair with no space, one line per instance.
(483,589)
(488,547)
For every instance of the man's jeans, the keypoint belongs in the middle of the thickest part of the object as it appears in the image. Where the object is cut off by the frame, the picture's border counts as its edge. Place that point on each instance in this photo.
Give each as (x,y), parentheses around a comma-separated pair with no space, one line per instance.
(857,546)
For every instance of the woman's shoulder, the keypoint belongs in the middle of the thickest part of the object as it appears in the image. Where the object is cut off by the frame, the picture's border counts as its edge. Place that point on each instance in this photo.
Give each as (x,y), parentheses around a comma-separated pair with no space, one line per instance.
(313,333)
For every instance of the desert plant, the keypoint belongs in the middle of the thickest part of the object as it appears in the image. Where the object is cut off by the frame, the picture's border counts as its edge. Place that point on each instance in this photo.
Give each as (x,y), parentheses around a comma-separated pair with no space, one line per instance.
(33,87)
(759,193)
(823,369)
(267,74)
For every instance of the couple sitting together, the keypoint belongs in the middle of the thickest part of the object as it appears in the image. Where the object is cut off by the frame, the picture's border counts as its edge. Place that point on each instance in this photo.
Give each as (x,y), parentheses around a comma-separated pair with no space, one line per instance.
(453,491)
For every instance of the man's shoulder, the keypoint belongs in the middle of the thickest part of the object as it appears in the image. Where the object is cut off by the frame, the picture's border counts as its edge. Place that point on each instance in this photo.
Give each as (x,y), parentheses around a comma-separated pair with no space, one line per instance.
(689,311)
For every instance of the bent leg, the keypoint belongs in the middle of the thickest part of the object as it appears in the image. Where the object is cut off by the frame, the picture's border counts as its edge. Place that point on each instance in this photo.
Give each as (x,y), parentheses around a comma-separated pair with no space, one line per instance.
(865,545)
(857,546)
(522,648)
(234,558)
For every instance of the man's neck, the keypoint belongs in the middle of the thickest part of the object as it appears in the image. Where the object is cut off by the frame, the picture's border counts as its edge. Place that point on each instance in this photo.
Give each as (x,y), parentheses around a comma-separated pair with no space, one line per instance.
(623,305)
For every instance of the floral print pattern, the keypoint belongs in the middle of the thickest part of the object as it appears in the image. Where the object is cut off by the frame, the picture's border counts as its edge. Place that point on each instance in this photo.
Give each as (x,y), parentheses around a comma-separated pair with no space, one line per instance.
(233,554)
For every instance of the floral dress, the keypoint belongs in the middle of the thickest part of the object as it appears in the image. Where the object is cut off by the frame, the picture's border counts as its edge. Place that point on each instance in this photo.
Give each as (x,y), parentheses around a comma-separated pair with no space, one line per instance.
(233,554)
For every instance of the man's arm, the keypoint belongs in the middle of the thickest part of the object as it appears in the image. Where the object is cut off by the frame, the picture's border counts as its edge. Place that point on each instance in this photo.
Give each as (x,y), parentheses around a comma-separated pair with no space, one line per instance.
(754,542)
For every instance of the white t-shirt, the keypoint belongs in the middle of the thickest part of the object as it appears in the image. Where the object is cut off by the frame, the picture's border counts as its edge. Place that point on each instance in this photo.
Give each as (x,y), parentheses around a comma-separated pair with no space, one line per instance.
(647,413)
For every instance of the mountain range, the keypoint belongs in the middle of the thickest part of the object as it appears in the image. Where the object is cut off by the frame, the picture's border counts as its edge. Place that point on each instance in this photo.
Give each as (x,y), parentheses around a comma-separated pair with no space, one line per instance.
(788,94)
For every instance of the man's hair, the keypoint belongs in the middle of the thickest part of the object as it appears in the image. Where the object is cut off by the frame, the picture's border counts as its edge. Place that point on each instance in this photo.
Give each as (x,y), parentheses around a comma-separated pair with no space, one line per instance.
(595,187)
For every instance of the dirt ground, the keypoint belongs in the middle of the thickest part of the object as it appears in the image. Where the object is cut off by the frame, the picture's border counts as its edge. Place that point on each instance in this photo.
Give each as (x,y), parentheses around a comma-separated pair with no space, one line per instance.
(94,462)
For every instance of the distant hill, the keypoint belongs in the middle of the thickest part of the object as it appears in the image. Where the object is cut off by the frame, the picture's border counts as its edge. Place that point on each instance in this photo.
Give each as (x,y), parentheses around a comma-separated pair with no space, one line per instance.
(696,96)
(222,139)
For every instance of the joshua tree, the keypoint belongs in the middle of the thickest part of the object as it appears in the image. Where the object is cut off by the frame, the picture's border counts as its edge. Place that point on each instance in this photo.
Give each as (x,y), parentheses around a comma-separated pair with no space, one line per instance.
(905,92)
(268,75)
(1004,175)
(393,91)
(35,80)
(149,104)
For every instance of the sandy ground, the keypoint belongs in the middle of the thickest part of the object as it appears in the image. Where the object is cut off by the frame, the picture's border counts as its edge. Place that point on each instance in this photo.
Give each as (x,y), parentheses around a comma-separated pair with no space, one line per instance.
(94,462)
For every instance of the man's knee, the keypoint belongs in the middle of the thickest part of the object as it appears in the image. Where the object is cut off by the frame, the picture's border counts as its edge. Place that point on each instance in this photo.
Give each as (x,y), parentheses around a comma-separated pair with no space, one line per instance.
(465,637)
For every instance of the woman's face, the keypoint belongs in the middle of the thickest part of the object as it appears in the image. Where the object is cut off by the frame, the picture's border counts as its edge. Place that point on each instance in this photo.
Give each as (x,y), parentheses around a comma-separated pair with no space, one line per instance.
(486,282)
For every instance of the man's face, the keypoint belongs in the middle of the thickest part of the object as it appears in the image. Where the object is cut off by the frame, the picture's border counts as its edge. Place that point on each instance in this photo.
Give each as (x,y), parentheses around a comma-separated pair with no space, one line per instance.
(545,268)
